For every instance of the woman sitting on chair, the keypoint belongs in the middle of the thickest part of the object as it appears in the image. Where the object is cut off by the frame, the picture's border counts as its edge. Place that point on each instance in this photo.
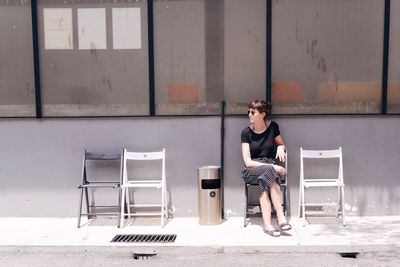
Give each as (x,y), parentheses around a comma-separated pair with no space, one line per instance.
(261,145)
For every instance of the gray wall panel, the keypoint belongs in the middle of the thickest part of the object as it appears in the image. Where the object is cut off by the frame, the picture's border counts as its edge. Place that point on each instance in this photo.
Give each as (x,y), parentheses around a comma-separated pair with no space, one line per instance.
(41,159)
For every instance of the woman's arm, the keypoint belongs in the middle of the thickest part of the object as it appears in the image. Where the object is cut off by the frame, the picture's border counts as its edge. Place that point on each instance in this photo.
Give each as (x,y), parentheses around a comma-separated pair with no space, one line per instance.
(248,162)
(280,152)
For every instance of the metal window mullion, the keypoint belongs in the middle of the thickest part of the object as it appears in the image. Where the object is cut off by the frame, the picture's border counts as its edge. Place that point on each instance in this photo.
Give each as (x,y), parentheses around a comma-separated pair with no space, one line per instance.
(150,36)
(36,63)
(385,63)
(268,76)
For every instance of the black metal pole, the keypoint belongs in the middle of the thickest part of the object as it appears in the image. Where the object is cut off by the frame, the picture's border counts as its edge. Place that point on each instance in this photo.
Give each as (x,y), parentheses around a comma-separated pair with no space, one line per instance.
(385,63)
(150,37)
(36,63)
(222,156)
(268,76)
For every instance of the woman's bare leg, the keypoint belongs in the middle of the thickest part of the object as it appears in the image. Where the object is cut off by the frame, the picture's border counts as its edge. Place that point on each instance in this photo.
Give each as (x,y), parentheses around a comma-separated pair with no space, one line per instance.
(265,204)
(275,192)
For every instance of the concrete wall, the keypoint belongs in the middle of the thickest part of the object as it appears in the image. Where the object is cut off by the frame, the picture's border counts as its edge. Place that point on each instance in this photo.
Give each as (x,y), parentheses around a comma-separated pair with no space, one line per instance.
(41,159)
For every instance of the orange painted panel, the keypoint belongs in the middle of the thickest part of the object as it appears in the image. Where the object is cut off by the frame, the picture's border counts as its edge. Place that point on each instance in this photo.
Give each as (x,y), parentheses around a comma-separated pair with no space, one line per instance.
(286,92)
(183,93)
(394,93)
(346,92)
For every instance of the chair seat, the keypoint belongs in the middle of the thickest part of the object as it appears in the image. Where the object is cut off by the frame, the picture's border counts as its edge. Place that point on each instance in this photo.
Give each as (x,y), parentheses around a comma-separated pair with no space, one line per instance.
(100,184)
(321,213)
(147,213)
(144,205)
(143,183)
(281,181)
(318,204)
(322,183)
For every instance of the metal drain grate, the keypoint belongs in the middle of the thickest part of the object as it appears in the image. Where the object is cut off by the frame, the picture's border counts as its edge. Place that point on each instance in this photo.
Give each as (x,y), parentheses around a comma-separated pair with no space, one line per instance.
(144,238)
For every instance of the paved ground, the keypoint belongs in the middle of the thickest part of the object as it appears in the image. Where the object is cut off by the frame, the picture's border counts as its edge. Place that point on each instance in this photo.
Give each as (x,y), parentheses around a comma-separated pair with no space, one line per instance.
(60,257)
(58,242)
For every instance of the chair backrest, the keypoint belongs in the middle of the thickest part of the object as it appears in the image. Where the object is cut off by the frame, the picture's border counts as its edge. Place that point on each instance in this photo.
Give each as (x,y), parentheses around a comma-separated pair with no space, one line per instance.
(322,154)
(143,156)
(102,156)
(100,159)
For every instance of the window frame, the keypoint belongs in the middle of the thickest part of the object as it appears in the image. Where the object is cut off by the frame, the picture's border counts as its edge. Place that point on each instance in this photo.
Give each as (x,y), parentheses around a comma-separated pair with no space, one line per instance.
(151,66)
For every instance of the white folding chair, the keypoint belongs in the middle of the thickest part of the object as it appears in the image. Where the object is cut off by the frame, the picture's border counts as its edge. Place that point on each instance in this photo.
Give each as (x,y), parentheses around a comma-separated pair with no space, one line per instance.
(308,182)
(131,181)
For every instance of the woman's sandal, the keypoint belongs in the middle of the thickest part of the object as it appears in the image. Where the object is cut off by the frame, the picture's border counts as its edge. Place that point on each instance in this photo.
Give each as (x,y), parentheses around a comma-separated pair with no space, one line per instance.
(273,233)
(285,226)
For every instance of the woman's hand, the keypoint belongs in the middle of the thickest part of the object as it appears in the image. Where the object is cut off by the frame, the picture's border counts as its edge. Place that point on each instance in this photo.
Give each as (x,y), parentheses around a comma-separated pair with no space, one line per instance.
(280,153)
(279,169)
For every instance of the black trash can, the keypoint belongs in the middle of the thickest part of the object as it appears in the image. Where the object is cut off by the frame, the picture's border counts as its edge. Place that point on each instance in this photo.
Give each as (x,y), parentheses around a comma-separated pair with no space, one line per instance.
(209,186)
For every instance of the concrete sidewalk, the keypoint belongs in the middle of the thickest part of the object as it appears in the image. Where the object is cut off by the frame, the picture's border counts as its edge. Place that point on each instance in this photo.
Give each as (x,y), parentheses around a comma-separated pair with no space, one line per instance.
(360,234)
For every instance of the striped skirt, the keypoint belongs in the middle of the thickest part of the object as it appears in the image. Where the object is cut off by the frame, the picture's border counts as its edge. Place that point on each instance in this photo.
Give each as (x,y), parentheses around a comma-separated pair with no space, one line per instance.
(263,175)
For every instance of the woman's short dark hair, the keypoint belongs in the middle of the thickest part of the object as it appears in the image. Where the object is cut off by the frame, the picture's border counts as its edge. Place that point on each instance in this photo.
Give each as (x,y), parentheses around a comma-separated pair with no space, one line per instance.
(261,106)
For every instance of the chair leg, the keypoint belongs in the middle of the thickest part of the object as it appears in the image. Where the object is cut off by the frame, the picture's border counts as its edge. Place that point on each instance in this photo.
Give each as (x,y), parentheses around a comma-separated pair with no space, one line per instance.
(338,199)
(119,206)
(122,212)
(284,204)
(300,203)
(162,206)
(87,202)
(342,198)
(165,203)
(303,205)
(80,208)
(128,202)
(246,188)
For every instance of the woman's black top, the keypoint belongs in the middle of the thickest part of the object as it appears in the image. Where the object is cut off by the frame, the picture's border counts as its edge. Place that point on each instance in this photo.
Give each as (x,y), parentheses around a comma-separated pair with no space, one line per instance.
(261,145)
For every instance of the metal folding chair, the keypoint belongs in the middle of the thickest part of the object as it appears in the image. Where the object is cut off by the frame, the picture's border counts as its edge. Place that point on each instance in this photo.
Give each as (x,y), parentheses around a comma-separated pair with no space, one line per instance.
(96,183)
(320,182)
(249,204)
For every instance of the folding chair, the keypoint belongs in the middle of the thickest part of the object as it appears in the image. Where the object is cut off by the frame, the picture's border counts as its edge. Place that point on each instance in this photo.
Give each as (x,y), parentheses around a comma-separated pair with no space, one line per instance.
(134,182)
(89,183)
(282,183)
(309,182)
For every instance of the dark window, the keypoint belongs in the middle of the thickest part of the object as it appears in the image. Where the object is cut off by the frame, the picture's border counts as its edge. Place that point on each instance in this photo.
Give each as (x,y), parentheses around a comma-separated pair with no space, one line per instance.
(327,56)
(93,61)
(17,87)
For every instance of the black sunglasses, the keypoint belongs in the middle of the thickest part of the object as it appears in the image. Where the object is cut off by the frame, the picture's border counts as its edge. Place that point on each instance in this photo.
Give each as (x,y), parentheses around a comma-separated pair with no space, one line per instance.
(252,112)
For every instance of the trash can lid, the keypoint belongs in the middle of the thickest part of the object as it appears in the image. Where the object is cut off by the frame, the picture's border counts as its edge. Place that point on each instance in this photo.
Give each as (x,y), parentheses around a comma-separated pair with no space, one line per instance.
(208,172)
(210,167)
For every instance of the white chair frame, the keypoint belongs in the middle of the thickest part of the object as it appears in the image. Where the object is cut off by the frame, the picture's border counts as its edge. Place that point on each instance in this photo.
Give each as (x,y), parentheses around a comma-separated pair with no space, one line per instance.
(313,183)
(138,183)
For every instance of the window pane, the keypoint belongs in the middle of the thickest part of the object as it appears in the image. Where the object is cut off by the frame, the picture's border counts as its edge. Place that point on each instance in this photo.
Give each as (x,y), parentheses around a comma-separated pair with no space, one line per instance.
(394,59)
(17,87)
(245,53)
(93,57)
(188,56)
(327,56)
